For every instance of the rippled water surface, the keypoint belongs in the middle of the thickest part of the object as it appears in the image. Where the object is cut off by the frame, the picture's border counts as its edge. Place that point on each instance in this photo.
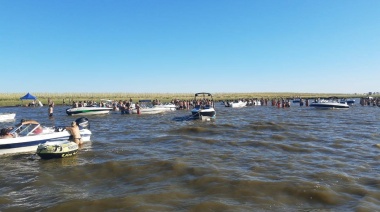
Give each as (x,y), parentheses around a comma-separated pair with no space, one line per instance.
(259,158)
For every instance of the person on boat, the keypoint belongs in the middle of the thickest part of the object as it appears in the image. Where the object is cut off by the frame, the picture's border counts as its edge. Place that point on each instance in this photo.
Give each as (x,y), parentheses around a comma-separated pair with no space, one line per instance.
(6,133)
(74,132)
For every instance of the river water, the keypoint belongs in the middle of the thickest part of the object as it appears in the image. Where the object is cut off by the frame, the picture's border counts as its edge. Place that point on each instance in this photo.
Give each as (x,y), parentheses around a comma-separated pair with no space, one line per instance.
(259,158)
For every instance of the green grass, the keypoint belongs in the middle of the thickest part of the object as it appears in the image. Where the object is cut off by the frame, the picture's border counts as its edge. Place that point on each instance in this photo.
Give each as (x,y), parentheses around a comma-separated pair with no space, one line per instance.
(12,99)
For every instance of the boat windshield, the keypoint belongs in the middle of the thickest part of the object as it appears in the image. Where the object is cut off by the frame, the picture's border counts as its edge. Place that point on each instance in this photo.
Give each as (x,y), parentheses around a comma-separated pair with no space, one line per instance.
(25,129)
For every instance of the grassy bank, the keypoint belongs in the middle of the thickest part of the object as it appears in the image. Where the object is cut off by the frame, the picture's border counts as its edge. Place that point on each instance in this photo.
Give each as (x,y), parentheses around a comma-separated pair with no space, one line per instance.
(12,99)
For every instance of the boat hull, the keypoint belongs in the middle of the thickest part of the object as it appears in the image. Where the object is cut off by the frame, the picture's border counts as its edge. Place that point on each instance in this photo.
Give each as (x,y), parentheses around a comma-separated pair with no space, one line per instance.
(7,117)
(79,111)
(326,106)
(200,113)
(153,110)
(57,149)
(238,104)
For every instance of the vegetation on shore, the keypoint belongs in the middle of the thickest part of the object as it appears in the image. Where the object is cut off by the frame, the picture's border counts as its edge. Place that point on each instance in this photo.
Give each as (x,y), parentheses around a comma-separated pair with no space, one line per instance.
(12,99)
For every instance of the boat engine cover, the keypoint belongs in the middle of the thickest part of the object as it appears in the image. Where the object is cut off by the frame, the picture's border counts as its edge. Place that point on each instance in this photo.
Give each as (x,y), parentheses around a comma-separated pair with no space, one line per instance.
(83,123)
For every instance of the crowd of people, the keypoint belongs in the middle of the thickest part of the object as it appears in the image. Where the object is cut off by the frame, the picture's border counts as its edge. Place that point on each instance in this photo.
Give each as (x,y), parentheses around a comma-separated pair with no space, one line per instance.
(126,105)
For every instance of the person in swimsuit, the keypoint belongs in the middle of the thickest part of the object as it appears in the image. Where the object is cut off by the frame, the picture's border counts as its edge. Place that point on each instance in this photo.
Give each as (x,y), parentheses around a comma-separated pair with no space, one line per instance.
(74,132)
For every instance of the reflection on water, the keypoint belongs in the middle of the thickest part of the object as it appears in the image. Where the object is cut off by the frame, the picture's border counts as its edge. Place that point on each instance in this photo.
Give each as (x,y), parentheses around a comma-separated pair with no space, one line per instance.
(262,158)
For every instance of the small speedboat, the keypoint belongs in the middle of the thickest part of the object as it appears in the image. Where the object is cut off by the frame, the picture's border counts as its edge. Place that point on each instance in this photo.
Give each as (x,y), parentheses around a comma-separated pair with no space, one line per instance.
(238,104)
(146,107)
(57,149)
(329,104)
(92,110)
(27,137)
(167,106)
(7,117)
(348,101)
(204,107)
(149,110)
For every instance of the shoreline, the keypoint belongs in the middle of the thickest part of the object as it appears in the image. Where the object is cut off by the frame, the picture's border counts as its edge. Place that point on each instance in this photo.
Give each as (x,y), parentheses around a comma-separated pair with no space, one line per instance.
(13,99)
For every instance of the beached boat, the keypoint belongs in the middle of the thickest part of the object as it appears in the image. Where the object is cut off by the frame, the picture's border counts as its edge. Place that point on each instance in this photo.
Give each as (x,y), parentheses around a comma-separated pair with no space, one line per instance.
(329,104)
(7,117)
(57,149)
(204,106)
(26,137)
(91,110)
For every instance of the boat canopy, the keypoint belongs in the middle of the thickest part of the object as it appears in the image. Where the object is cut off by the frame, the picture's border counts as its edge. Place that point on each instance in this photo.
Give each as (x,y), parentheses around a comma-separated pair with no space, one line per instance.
(203,94)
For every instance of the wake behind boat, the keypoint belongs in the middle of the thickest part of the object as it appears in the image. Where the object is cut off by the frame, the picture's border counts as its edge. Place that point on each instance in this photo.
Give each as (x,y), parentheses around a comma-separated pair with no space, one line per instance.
(26,137)
(204,106)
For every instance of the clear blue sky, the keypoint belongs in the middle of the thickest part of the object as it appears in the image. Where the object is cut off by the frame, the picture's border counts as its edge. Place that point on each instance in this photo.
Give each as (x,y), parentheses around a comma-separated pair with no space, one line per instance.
(188,46)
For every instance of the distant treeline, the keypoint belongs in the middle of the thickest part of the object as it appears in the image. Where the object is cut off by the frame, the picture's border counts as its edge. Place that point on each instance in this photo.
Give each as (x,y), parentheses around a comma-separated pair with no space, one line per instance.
(12,99)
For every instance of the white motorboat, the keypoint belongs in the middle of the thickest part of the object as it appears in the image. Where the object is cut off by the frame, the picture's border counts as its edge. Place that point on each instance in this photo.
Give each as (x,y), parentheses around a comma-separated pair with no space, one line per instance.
(146,107)
(90,110)
(149,110)
(238,104)
(204,107)
(168,106)
(348,101)
(254,102)
(329,104)
(27,137)
(7,117)
(57,149)
(296,101)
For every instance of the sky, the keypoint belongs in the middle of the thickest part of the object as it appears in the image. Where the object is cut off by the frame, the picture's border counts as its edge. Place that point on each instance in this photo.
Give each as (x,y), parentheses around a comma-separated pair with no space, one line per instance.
(189,46)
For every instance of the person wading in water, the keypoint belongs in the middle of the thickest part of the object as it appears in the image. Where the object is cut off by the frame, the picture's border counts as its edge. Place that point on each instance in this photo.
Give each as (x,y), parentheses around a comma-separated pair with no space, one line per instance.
(75,134)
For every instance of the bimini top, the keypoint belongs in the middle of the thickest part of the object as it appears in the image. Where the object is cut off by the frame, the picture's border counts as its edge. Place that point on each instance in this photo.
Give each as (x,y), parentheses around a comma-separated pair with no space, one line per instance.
(203,94)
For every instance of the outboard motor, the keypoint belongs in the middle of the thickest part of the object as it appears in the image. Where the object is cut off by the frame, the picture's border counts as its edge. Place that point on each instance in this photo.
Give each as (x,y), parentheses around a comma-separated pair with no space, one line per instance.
(83,123)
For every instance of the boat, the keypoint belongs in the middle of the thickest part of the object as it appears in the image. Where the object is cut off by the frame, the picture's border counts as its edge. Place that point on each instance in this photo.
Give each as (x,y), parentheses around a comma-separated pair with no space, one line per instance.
(254,102)
(27,137)
(296,101)
(348,101)
(167,106)
(57,149)
(329,104)
(238,104)
(146,107)
(88,110)
(204,106)
(7,117)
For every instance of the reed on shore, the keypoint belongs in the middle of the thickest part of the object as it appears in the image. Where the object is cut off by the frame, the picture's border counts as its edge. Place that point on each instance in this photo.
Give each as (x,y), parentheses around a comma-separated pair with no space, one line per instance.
(13,99)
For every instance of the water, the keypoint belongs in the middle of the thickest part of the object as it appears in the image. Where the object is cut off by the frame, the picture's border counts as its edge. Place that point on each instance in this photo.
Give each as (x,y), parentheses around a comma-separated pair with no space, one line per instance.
(259,158)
